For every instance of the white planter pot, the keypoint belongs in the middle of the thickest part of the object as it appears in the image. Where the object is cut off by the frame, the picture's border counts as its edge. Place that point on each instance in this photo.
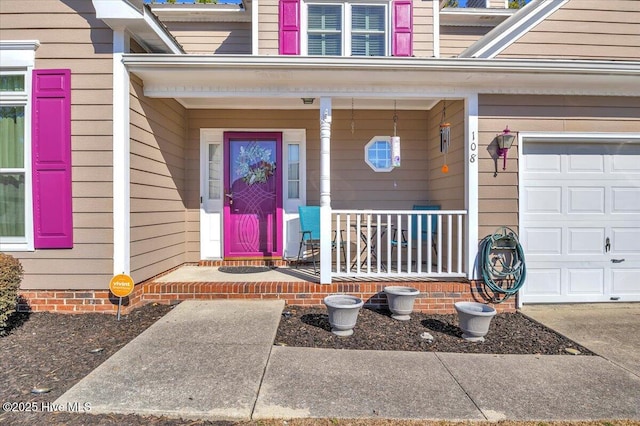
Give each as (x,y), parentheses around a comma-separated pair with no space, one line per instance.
(400,300)
(474,319)
(343,313)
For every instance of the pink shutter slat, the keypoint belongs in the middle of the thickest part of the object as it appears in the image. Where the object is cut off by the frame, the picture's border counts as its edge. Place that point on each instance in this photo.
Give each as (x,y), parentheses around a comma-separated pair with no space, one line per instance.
(51,159)
(289,27)
(402,34)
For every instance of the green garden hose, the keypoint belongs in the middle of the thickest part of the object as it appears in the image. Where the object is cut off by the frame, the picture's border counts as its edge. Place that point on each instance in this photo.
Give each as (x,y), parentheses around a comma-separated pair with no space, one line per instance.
(503,266)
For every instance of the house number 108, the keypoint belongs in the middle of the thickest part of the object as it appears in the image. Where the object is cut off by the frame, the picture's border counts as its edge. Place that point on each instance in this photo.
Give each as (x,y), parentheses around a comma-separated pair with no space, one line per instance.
(472,156)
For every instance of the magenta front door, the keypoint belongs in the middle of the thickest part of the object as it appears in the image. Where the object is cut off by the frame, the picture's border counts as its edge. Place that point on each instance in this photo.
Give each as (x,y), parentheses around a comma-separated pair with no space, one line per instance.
(253,195)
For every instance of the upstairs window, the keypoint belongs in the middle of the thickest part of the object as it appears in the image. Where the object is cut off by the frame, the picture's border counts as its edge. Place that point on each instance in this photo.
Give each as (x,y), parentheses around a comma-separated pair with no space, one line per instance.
(347,29)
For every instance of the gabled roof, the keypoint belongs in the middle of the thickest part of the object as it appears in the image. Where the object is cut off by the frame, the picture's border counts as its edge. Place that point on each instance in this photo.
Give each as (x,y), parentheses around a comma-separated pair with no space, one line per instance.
(134,17)
(512,29)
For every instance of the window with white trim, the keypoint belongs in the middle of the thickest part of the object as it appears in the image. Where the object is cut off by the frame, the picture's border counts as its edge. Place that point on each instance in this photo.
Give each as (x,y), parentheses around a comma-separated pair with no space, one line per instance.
(15,161)
(377,154)
(347,29)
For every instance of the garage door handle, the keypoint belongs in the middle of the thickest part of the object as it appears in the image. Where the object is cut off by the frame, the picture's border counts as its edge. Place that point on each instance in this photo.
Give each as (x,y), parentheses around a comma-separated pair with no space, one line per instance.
(617,260)
(607,245)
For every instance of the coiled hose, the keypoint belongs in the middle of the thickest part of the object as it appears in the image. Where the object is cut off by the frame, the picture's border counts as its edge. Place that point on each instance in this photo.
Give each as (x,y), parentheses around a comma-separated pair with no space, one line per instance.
(503,266)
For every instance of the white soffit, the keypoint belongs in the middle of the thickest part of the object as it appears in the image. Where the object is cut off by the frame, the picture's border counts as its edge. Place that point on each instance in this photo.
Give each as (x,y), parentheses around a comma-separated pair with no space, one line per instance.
(243,77)
(472,17)
(210,12)
(136,19)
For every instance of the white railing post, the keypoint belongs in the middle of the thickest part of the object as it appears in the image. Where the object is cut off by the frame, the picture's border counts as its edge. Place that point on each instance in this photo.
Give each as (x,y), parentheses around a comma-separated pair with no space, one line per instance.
(325,191)
(471,184)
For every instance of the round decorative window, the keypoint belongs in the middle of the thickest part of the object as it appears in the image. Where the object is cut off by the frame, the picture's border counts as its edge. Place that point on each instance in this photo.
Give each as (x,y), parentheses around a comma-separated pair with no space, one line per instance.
(377,154)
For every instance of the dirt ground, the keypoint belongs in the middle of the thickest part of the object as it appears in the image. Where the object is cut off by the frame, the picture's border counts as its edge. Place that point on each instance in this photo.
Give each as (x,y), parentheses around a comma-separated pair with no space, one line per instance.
(49,353)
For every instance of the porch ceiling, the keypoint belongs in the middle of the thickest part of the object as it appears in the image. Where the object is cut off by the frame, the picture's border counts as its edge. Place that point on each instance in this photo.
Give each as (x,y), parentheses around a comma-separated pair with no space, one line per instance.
(281,82)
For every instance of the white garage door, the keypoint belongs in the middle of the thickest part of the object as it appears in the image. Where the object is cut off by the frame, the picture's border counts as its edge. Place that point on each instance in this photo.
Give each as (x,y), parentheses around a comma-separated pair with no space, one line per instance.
(580,222)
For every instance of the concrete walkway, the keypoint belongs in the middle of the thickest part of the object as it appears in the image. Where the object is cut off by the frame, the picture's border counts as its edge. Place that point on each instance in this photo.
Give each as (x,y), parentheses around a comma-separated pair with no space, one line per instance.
(215,360)
(611,330)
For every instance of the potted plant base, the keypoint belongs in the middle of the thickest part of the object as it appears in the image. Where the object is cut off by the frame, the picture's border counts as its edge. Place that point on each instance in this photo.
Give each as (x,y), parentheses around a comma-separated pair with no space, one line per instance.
(343,313)
(400,300)
(474,319)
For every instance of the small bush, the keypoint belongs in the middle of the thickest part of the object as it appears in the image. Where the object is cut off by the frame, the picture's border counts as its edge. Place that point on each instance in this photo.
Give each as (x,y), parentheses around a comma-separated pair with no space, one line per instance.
(10,279)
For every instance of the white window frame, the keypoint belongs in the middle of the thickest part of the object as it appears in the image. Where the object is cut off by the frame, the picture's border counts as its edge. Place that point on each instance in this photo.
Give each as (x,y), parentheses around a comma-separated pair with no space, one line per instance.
(346,18)
(374,140)
(18,58)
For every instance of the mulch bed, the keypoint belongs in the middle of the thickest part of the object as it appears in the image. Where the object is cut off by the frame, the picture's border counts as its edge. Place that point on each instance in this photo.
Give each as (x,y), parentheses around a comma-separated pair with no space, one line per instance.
(55,351)
(509,333)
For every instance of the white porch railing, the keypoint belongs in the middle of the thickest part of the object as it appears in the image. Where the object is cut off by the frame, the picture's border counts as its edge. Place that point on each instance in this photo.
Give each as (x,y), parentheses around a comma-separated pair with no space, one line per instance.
(398,243)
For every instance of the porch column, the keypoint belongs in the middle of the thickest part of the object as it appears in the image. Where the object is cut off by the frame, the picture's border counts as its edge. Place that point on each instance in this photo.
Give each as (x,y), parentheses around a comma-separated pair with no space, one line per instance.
(471,187)
(121,177)
(325,190)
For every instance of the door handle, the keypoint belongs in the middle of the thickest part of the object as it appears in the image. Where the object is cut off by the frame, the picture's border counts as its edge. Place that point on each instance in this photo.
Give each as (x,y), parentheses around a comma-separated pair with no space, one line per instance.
(617,260)
(607,245)
(229,196)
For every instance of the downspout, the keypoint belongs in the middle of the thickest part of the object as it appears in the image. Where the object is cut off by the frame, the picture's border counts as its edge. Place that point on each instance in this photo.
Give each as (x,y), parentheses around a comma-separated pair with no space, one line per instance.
(436,29)
(121,160)
(325,190)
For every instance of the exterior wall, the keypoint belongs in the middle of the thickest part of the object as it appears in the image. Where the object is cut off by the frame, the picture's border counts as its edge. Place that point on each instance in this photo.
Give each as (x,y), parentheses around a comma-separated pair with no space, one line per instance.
(422,28)
(447,189)
(354,185)
(72,37)
(498,196)
(587,29)
(212,37)
(158,228)
(453,40)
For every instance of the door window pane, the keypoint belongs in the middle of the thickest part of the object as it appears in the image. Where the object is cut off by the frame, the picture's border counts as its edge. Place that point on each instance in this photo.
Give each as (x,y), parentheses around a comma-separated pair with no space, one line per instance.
(215,159)
(293,183)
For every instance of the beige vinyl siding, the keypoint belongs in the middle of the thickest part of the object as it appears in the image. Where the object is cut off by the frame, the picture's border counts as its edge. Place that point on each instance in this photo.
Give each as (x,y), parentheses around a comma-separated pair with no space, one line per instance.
(213,37)
(586,29)
(71,37)
(446,189)
(268,27)
(422,28)
(498,196)
(497,4)
(158,231)
(453,40)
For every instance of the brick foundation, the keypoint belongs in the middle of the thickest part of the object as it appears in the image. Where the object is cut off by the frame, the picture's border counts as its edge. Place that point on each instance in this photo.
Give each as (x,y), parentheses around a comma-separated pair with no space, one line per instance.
(435,297)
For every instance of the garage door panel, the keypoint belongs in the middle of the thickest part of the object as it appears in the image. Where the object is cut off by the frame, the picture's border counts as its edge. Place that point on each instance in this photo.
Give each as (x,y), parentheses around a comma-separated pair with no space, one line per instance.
(625,199)
(585,281)
(626,240)
(626,281)
(625,164)
(542,241)
(586,241)
(586,200)
(543,163)
(544,200)
(585,163)
(544,281)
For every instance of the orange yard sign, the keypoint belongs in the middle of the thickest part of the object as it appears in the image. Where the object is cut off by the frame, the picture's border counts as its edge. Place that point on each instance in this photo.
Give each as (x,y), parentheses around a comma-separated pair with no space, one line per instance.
(121,285)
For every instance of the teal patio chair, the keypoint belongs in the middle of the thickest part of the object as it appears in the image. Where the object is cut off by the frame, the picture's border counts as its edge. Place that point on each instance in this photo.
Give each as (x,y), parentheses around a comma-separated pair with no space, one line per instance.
(404,241)
(310,233)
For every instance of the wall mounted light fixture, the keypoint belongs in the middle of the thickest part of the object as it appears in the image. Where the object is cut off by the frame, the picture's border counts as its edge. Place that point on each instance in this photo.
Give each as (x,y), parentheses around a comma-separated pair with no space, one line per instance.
(308,101)
(504,141)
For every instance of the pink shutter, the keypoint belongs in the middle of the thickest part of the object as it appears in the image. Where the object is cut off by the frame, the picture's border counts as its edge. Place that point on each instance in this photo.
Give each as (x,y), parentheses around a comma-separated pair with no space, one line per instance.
(289,27)
(51,157)
(402,35)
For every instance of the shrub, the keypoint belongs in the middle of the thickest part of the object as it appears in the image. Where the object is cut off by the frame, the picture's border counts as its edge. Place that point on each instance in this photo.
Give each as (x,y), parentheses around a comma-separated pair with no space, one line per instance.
(10,278)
